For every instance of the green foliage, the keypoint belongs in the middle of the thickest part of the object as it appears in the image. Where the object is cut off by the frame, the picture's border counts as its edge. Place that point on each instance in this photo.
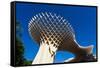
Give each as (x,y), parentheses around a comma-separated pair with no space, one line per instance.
(19,49)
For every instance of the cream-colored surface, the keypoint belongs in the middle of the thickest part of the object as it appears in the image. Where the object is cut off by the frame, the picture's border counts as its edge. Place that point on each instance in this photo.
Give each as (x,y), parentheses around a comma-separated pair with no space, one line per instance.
(44,56)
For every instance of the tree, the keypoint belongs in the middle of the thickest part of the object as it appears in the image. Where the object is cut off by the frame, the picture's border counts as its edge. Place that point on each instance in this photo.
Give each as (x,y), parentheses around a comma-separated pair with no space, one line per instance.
(19,48)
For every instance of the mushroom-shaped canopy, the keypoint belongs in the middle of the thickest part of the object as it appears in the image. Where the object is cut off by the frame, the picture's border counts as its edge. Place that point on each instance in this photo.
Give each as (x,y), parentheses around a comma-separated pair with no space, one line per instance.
(50,28)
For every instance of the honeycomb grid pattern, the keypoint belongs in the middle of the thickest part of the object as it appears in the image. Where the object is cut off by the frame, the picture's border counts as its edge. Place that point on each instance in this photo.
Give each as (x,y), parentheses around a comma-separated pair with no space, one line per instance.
(50,28)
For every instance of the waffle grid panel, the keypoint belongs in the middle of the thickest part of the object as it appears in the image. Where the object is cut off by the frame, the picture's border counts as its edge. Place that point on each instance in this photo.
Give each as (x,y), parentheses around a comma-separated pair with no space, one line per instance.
(50,28)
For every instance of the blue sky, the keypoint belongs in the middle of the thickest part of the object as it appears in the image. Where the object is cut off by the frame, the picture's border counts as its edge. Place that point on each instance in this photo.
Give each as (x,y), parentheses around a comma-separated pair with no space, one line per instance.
(82,19)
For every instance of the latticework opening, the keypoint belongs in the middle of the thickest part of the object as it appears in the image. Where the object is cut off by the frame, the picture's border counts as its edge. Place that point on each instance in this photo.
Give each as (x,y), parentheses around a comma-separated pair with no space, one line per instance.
(50,29)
